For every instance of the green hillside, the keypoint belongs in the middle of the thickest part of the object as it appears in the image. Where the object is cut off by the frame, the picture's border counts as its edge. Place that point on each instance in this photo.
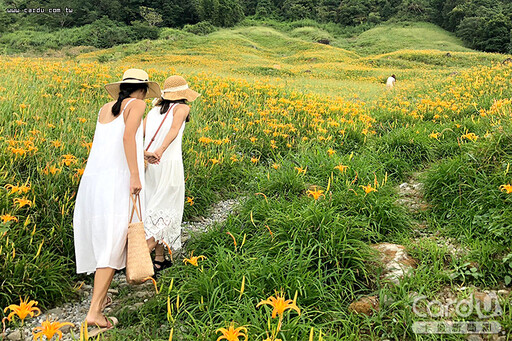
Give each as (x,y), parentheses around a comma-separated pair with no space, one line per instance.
(414,36)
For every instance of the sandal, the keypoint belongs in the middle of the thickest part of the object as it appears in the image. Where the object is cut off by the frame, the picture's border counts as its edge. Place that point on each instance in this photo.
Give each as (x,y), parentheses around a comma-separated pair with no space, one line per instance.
(108,302)
(161,265)
(111,323)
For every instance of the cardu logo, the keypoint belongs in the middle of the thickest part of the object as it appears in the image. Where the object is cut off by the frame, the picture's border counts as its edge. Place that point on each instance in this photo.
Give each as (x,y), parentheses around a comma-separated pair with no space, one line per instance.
(481,306)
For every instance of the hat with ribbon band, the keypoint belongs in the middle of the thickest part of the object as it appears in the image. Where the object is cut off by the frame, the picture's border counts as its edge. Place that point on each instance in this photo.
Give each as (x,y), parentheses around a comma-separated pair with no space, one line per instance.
(176,88)
(134,76)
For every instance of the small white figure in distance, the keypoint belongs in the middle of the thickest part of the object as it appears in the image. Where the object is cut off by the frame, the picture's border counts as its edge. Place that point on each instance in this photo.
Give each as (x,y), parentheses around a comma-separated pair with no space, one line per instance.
(390,83)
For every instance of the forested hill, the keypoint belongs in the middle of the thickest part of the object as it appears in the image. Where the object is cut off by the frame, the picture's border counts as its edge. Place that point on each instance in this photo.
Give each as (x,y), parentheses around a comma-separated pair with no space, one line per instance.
(481,24)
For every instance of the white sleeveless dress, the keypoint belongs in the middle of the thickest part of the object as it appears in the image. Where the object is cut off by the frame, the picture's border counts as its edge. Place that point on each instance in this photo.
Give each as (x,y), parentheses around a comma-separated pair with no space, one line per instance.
(100,219)
(165,183)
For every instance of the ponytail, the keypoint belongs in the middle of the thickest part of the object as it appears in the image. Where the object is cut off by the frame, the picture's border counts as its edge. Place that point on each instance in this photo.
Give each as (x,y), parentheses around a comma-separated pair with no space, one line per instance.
(165,104)
(126,89)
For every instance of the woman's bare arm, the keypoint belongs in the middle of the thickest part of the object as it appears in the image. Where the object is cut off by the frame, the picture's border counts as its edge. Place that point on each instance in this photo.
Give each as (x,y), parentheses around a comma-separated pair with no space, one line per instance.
(133,116)
(180,114)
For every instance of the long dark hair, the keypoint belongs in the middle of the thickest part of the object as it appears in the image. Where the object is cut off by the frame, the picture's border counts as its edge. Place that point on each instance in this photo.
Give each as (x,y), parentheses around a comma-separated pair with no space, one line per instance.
(166,103)
(125,90)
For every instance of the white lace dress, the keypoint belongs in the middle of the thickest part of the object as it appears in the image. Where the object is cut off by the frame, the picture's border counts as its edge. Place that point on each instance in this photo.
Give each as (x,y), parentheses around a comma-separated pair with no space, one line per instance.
(165,183)
(102,207)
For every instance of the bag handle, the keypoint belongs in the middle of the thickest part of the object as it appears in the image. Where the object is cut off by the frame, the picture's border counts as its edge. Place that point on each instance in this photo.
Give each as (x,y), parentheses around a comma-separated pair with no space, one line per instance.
(160,126)
(135,198)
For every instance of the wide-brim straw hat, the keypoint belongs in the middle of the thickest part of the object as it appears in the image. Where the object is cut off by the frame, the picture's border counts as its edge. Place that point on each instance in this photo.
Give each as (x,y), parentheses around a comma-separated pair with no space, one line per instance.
(134,76)
(176,88)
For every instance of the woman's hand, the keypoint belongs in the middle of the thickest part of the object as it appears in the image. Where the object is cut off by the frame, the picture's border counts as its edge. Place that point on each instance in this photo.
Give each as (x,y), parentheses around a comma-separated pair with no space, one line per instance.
(158,152)
(151,157)
(135,185)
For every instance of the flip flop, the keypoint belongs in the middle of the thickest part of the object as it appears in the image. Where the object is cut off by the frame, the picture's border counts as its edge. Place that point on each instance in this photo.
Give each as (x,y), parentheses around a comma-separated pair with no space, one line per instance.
(110,325)
(108,302)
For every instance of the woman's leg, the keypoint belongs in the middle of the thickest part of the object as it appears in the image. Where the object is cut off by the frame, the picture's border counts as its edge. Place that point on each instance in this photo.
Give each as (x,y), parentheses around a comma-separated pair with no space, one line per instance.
(152,243)
(159,253)
(102,279)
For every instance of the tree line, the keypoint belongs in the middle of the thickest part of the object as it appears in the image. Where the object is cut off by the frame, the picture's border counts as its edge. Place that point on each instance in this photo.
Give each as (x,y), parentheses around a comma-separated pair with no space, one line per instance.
(482,24)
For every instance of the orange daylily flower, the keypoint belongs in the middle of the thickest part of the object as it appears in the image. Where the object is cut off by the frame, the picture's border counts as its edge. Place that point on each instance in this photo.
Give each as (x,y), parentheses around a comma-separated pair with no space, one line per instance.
(49,329)
(24,309)
(17,189)
(232,334)
(368,189)
(193,260)
(506,188)
(279,304)
(315,193)
(341,168)
(7,217)
(21,202)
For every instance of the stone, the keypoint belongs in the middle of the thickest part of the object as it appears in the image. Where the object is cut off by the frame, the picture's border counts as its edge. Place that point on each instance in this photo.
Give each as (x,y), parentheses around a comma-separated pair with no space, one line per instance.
(15,335)
(141,294)
(365,305)
(324,41)
(56,311)
(138,304)
(396,262)
(504,292)
(113,291)
(65,329)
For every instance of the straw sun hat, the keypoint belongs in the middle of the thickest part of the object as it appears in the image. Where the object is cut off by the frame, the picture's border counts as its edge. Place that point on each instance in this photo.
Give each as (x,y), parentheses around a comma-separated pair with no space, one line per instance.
(134,76)
(176,87)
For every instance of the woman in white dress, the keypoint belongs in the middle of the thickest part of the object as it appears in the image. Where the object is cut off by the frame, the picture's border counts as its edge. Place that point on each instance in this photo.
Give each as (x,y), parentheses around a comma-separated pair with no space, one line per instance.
(390,83)
(165,181)
(113,172)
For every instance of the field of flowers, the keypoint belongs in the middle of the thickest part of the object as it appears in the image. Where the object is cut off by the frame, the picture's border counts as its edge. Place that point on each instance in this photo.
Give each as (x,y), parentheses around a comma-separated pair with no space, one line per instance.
(310,137)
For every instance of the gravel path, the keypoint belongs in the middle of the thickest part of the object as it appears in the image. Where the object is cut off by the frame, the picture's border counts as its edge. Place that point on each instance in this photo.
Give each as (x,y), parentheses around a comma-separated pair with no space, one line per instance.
(76,311)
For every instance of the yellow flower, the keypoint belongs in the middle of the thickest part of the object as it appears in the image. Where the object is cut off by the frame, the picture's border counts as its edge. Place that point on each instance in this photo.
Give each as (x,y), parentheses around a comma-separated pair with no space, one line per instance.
(434,135)
(21,202)
(17,151)
(23,310)
(315,193)
(214,161)
(470,136)
(193,260)
(506,188)
(368,189)
(49,329)
(7,217)
(341,168)
(301,170)
(279,304)
(276,165)
(56,143)
(254,160)
(17,189)
(331,151)
(190,200)
(232,334)
(68,159)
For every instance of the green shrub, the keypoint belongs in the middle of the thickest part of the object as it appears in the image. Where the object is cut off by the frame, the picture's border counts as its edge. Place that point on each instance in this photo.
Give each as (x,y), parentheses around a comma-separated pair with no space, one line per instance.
(311,33)
(172,34)
(201,28)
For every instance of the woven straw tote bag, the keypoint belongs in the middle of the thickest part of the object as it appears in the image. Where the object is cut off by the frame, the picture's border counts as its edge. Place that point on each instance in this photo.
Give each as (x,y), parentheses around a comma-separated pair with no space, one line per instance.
(138,260)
